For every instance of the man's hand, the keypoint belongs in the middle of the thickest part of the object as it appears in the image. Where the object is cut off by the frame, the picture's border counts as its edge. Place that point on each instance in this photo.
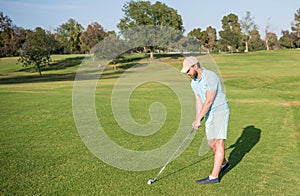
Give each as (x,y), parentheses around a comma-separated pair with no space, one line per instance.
(196,124)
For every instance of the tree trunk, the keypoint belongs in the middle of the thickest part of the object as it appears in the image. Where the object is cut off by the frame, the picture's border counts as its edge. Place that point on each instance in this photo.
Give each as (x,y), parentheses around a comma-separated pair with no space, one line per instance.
(267,45)
(246,50)
(151,55)
(230,49)
(93,55)
(39,70)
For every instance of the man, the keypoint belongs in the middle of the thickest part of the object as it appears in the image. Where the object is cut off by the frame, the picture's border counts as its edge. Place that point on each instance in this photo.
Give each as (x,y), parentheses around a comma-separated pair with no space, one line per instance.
(211,103)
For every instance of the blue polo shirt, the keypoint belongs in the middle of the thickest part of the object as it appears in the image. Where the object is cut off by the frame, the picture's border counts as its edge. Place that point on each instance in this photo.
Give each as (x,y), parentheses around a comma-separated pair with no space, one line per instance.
(209,81)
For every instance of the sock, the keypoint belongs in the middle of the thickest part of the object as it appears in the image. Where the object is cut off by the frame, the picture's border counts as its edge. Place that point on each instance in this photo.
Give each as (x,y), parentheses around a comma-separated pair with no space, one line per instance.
(211,178)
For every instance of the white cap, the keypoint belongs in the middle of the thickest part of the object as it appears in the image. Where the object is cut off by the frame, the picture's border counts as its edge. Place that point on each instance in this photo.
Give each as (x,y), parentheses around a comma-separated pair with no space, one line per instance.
(188,62)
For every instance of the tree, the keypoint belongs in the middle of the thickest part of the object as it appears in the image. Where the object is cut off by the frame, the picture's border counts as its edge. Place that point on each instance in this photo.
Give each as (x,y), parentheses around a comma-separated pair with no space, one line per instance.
(255,42)
(247,25)
(231,35)
(7,35)
(272,43)
(207,38)
(141,13)
(5,22)
(188,44)
(166,16)
(94,34)
(37,49)
(11,37)
(68,35)
(196,34)
(296,27)
(271,40)
(211,40)
(288,40)
(159,15)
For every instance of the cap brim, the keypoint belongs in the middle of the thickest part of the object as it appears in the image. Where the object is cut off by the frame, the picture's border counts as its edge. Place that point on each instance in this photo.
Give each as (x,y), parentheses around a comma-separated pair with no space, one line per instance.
(184,70)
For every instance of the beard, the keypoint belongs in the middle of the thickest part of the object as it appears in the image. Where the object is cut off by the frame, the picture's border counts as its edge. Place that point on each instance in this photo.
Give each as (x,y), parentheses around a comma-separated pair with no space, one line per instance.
(195,75)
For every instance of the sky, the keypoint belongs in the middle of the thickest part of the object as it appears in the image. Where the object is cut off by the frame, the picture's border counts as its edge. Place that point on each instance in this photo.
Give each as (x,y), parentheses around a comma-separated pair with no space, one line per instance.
(50,14)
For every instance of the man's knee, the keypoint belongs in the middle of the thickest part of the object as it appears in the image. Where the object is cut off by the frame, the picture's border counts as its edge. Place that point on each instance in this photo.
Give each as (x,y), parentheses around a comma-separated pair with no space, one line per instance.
(216,143)
(211,143)
(219,144)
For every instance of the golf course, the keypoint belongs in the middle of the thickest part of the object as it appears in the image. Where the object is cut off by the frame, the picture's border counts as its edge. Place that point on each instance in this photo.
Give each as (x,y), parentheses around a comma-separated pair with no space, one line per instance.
(42,152)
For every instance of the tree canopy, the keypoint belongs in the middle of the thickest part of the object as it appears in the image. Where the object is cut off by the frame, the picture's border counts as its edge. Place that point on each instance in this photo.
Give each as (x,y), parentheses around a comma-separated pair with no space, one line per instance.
(207,38)
(164,24)
(231,34)
(296,27)
(11,37)
(139,13)
(68,34)
(94,34)
(37,49)
(247,25)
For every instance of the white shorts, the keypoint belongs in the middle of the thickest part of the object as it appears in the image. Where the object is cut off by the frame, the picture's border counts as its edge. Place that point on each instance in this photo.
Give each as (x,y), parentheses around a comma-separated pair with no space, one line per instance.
(216,124)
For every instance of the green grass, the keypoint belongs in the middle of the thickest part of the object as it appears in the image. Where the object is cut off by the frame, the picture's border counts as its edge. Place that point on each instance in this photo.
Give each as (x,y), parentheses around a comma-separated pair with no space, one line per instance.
(41,152)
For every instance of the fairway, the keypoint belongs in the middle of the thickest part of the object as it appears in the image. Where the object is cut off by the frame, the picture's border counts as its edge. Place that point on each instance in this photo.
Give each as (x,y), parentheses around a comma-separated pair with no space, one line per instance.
(42,153)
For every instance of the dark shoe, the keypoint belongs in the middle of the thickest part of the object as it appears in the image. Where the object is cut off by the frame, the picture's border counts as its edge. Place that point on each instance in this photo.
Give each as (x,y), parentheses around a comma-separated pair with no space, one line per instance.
(208,181)
(227,165)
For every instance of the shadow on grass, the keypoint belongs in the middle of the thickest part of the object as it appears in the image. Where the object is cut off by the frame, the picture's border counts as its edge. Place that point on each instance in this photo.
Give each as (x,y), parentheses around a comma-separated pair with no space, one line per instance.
(58,65)
(126,63)
(176,55)
(37,78)
(186,167)
(56,77)
(167,55)
(243,145)
(127,59)
(249,138)
(87,75)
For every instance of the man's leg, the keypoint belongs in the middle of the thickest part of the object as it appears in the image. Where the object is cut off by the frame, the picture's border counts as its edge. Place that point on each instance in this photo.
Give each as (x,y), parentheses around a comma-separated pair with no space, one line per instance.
(217,147)
(219,156)
(212,145)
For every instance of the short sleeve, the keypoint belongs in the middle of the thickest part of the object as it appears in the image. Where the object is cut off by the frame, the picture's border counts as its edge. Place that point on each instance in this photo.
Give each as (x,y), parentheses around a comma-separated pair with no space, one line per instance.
(212,80)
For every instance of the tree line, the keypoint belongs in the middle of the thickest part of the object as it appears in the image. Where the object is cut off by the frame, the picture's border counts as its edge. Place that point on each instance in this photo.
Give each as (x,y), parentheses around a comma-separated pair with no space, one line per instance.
(237,35)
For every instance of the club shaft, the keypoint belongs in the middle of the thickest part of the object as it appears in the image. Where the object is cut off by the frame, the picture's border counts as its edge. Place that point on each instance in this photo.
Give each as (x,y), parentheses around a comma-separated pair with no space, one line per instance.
(174,154)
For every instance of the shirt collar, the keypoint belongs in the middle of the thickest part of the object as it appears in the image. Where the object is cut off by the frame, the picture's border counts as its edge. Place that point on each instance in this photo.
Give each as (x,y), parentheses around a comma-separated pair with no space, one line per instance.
(199,80)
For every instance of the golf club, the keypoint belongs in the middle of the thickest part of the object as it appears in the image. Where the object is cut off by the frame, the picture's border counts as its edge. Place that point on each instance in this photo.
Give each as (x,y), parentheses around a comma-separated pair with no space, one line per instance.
(150,181)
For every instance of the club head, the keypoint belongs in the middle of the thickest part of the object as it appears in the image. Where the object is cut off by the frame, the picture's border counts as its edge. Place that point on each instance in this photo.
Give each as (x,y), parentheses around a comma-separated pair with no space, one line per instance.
(150,181)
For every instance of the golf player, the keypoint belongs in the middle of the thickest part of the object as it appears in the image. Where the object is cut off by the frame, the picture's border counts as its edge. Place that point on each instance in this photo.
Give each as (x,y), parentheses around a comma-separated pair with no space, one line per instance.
(211,104)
